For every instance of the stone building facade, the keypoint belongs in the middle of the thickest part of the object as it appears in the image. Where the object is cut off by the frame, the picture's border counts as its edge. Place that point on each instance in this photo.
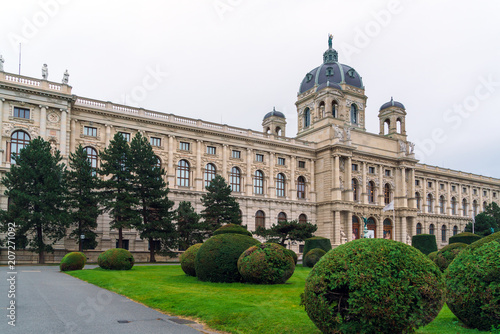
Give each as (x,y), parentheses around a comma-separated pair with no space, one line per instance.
(333,173)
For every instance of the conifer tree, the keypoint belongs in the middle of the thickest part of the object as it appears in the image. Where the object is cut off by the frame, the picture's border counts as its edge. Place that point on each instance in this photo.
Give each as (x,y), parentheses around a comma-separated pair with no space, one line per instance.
(220,207)
(117,189)
(83,198)
(36,191)
(190,230)
(287,230)
(150,189)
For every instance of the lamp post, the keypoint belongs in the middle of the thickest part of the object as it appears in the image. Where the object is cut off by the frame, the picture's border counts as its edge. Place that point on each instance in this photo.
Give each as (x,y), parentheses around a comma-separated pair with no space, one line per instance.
(82,237)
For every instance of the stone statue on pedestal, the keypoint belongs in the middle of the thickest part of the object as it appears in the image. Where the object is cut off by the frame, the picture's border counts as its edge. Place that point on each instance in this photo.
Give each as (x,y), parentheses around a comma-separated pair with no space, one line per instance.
(45,72)
(1,63)
(65,77)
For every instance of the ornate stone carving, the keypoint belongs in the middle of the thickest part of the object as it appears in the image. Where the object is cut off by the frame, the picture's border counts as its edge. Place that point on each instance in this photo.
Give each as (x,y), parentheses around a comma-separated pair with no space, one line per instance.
(337,132)
(402,146)
(52,117)
(347,130)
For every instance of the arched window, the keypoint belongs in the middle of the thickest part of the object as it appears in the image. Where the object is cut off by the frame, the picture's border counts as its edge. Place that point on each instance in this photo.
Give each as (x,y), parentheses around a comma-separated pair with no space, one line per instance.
(398,125)
(443,233)
(278,131)
(335,108)
(281,217)
(453,206)
(258,183)
(355,228)
(158,162)
(419,228)
(455,230)
(260,219)
(280,185)
(92,157)
(474,208)
(210,172)
(183,173)
(307,118)
(387,126)
(302,218)
(322,109)
(301,187)
(430,203)
(431,229)
(371,192)
(354,114)
(387,229)
(464,208)
(441,204)
(387,193)
(18,141)
(419,201)
(235,179)
(371,226)
(355,194)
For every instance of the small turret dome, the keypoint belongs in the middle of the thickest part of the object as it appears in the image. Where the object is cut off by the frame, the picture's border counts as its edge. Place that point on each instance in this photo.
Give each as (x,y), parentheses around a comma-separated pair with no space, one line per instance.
(392,103)
(274,113)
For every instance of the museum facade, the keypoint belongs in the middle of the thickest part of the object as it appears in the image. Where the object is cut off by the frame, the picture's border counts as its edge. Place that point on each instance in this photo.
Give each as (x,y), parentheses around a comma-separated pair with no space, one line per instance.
(333,173)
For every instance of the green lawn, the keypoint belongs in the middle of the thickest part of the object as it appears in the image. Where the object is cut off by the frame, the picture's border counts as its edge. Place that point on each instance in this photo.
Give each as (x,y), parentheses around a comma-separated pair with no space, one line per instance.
(235,307)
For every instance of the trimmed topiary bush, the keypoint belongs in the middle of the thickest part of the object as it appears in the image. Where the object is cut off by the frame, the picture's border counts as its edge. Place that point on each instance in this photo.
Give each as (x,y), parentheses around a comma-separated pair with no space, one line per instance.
(464,237)
(187,260)
(312,257)
(373,286)
(217,258)
(266,263)
(426,243)
(293,255)
(446,254)
(472,281)
(232,228)
(73,261)
(116,259)
(485,240)
(317,242)
(432,255)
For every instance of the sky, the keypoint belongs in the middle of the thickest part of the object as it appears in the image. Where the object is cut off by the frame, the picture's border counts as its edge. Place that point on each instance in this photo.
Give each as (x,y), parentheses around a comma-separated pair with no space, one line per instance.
(232,61)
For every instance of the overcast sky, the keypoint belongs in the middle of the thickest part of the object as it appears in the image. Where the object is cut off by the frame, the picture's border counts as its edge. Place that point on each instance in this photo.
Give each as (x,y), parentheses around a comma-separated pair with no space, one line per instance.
(231,61)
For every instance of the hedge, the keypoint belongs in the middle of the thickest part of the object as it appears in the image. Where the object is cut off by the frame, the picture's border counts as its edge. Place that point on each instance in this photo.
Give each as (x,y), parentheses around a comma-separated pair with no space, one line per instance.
(426,243)
(485,240)
(312,257)
(317,242)
(446,254)
(187,260)
(116,259)
(464,237)
(232,228)
(73,261)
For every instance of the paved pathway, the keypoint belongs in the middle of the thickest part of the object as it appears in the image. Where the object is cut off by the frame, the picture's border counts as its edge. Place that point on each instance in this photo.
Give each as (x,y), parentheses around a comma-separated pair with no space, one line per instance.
(50,302)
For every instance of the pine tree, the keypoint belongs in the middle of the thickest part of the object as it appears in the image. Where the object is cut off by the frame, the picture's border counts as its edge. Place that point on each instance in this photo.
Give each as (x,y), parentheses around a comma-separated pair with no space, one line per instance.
(83,198)
(36,191)
(220,207)
(287,230)
(189,229)
(117,189)
(150,189)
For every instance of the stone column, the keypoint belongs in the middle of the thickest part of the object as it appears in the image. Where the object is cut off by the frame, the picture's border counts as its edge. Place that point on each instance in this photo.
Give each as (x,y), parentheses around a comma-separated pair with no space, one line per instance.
(312,190)
(1,122)
(412,203)
(448,198)
(7,152)
(328,107)
(471,211)
(224,162)
(293,181)
(480,204)
(198,180)
(348,182)
(364,190)
(424,196)
(336,227)
(271,186)
(404,195)
(72,135)
(43,122)
(170,165)
(349,226)
(249,172)
(335,177)
(62,144)
(403,230)
(108,135)
(381,184)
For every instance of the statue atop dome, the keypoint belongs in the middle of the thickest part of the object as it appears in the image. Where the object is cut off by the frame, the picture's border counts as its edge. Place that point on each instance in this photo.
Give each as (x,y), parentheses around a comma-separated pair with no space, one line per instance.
(330,38)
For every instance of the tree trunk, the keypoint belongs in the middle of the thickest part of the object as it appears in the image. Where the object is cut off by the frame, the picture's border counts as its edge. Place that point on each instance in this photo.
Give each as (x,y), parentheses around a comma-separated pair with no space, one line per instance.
(151,250)
(120,238)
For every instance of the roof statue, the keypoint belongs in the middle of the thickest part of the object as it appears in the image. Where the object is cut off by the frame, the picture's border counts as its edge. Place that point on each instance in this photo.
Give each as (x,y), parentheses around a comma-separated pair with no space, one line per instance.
(65,77)
(45,72)
(330,38)
(1,63)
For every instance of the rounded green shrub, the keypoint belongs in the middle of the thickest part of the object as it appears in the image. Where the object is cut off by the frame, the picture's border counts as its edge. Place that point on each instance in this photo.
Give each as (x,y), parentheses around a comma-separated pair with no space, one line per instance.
(187,260)
(473,285)
(312,257)
(446,254)
(426,243)
(485,240)
(232,228)
(373,286)
(317,242)
(432,255)
(217,258)
(73,261)
(116,259)
(266,263)
(293,255)
(464,237)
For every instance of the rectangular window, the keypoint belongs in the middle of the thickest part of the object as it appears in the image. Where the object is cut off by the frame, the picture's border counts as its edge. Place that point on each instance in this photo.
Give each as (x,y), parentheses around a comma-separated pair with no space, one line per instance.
(184,146)
(494,195)
(429,184)
(90,131)
(125,136)
(387,172)
(464,190)
(155,141)
(211,150)
(484,193)
(354,167)
(236,154)
(371,170)
(259,157)
(417,182)
(124,244)
(474,191)
(453,188)
(21,113)
(281,161)
(441,186)
(302,164)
